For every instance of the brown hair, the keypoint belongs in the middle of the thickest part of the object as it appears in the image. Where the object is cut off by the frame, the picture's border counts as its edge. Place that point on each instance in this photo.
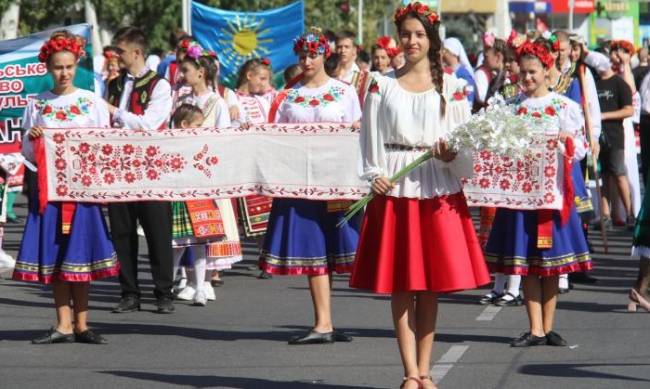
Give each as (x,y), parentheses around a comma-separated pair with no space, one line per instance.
(185,112)
(131,34)
(251,65)
(435,45)
(206,63)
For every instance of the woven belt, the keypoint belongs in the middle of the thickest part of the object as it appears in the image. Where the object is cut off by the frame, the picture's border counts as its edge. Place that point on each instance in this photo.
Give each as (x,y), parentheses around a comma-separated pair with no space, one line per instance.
(397,147)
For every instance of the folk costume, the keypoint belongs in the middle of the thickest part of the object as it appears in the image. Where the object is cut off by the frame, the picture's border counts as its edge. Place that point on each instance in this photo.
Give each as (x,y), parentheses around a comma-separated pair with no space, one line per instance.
(420,236)
(144,103)
(544,242)
(64,241)
(302,235)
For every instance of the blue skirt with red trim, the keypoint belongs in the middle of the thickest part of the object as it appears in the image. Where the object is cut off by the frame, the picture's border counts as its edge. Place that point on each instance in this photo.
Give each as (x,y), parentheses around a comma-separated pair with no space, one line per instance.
(302,237)
(83,255)
(512,246)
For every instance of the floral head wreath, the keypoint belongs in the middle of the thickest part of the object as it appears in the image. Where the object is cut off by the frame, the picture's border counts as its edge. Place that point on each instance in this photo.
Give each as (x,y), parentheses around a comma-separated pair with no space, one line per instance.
(536,50)
(312,42)
(622,45)
(265,62)
(185,44)
(515,39)
(388,44)
(416,8)
(110,55)
(195,52)
(555,43)
(75,45)
(488,40)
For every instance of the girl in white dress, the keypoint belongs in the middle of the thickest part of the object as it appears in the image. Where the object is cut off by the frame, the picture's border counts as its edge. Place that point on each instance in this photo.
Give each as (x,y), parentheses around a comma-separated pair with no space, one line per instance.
(417,239)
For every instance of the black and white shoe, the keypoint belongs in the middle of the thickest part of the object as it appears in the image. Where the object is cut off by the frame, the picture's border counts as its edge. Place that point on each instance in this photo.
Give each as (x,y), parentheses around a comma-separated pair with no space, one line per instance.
(509,300)
(489,298)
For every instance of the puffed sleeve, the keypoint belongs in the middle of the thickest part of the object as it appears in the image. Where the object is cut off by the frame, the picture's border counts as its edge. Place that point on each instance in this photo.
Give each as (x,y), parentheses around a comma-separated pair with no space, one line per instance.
(457,112)
(29,121)
(572,121)
(352,106)
(372,140)
(102,116)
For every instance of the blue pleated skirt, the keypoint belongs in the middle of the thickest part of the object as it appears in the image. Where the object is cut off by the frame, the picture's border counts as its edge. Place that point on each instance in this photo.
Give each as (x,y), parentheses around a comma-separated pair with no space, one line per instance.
(303,238)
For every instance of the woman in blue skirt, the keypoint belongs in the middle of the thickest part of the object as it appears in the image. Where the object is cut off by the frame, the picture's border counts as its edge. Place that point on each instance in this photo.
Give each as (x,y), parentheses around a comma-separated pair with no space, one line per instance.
(65,244)
(542,244)
(302,237)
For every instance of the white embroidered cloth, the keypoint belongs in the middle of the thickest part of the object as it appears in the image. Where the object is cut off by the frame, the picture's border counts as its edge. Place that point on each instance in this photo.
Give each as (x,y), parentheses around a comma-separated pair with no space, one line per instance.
(315,161)
(533,182)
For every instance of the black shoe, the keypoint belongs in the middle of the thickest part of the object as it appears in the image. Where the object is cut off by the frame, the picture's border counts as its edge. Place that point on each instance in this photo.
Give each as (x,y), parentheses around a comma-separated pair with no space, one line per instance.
(165,305)
(216,283)
(490,298)
(54,336)
(313,337)
(89,337)
(527,339)
(554,339)
(14,220)
(127,304)
(265,276)
(609,225)
(582,278)
(514,302)
(340,336)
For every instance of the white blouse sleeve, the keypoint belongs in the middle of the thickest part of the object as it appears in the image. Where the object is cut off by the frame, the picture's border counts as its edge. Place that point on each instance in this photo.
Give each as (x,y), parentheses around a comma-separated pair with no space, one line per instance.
(102,118)
(457,112)
(29,120)
(572,121)
(372,140)
(222,115)
(352,106)
(482,84)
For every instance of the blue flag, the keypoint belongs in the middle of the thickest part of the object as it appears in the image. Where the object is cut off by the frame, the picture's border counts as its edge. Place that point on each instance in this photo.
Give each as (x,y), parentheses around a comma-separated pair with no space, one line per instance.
(239,36)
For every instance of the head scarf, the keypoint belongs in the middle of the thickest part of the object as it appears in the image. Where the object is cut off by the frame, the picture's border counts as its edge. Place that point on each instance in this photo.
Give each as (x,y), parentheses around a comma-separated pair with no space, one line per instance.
(456,48)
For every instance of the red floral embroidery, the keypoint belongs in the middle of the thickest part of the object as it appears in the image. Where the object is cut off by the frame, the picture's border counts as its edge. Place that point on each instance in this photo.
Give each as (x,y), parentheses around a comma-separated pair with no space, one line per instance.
(60,164)
(61,115)
(62,190)
(152,151)
(549,171)
(58,138)
(536,114)
(549,198)
(522,110)
(75,110)
(86,180)
(299,99)
(109,178)
(526,187)
(152,174)
(107,149)
(47,109)
(328,97)
(458,95)
(129,177)
(314,102)
(550,111)
(504,184)
(484,183)
(84,147)
(374,88)
(127,149)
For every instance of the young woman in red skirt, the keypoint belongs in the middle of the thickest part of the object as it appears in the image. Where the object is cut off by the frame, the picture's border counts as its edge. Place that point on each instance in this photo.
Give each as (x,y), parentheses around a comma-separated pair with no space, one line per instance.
(417,239)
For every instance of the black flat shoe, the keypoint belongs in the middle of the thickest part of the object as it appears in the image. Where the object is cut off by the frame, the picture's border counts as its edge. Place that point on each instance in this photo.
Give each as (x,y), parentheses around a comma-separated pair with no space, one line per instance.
(340,336)
(89,337)
(313,337)
(127,304)
(489,298)
(554,339)
(165,306)
(514,302)
(53,336)
(527,339)
(265,276)
(582,278)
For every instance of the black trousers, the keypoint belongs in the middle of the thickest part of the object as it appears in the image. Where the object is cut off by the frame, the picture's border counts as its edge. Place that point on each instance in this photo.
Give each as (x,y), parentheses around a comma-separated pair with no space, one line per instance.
(644,134)
(156,220)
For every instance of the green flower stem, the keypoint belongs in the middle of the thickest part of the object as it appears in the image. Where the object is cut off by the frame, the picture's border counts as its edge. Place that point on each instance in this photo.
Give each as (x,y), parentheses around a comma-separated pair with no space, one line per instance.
(361,204)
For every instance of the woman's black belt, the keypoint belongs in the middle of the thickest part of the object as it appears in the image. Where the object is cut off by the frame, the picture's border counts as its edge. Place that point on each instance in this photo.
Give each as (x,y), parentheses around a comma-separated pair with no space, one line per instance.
(398,147)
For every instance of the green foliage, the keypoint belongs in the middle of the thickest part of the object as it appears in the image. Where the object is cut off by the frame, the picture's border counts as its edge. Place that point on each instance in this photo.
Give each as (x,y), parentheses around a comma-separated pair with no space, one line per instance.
(161,17)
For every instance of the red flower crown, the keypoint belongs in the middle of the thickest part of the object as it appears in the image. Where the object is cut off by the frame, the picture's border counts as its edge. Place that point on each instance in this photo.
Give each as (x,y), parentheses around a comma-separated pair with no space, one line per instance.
(622,45)
(388,44)
(265,62)
(416,8)
(536,50)
(73,45)
(312,42)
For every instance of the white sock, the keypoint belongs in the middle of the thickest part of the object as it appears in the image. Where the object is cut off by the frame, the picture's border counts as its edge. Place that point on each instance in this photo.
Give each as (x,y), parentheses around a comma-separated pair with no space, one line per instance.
(513,285)
(564,281)
(200,266)
(499,283)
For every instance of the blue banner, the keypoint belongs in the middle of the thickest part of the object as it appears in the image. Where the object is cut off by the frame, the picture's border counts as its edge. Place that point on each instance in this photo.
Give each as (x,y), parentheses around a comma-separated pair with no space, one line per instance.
(239,36)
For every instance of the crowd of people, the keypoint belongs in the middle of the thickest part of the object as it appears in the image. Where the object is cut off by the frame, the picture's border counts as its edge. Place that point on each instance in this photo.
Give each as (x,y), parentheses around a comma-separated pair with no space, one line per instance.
(416,239)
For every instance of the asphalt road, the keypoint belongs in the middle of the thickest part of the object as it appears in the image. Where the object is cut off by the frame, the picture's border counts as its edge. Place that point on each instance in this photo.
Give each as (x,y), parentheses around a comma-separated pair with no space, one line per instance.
(239,341)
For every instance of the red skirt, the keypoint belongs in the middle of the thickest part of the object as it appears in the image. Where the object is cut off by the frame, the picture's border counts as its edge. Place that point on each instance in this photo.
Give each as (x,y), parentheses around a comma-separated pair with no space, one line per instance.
(410,245)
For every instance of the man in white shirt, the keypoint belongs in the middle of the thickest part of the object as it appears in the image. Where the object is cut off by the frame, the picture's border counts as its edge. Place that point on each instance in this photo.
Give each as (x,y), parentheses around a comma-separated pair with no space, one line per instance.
(346,48)
(140,99)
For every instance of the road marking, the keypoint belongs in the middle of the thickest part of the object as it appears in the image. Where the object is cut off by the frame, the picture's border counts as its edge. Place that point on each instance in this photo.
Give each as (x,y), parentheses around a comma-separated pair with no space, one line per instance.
(446,362)
(488,313)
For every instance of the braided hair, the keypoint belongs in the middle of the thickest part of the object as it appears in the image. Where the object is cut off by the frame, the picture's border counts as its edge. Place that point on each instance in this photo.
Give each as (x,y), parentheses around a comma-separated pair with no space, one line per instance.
(208,65)
(435,45)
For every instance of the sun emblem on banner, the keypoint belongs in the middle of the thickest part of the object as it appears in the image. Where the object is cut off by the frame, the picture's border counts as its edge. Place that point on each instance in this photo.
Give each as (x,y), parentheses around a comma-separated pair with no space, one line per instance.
(244,38)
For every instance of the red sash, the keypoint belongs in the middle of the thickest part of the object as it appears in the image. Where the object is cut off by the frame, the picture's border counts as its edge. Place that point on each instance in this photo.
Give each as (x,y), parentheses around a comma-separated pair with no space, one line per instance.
(279,98)
(545,216)
(206,218)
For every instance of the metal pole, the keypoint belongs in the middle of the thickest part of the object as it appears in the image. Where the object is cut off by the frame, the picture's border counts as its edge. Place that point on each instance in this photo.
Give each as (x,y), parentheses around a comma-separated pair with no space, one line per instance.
(185,12)
(572,4)
(360,23)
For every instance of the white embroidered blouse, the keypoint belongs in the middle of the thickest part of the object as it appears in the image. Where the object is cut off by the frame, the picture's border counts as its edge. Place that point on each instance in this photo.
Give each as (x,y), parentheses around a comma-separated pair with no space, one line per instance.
(393,117)
(79,109)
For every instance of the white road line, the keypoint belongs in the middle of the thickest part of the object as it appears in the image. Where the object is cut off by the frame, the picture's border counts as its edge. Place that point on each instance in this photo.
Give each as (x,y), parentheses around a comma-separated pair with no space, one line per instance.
(446,362)
(488,313)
